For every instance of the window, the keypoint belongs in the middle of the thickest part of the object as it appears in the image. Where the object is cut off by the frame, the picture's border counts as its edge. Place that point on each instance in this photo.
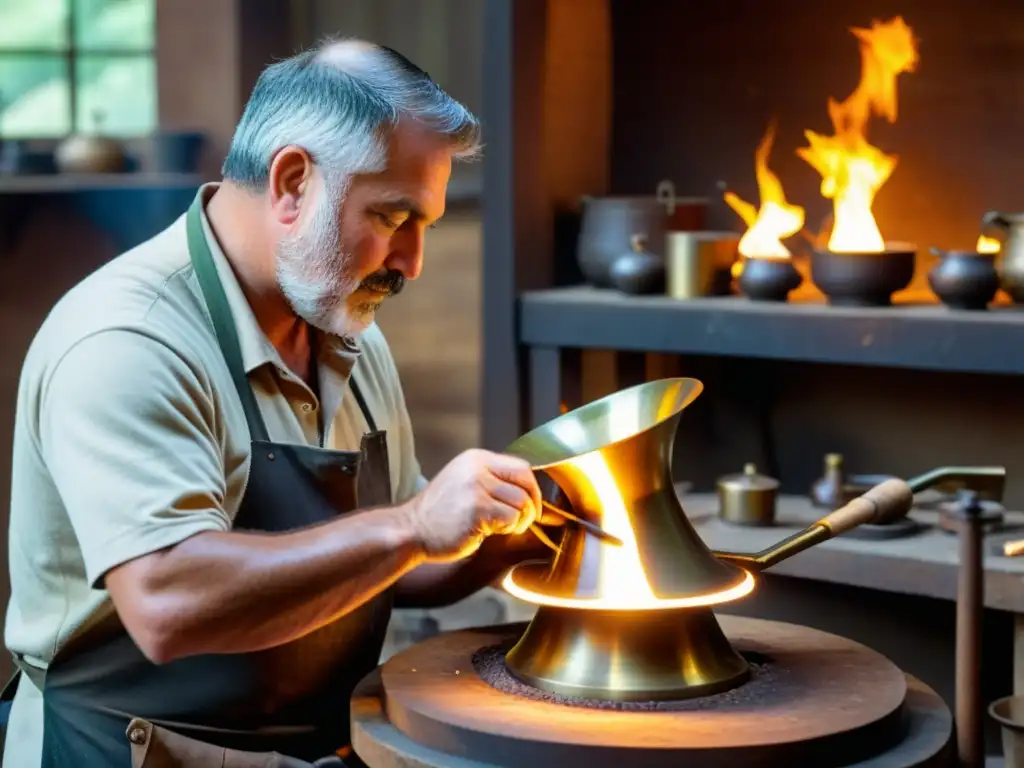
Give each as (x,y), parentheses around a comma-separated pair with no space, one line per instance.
(77,65)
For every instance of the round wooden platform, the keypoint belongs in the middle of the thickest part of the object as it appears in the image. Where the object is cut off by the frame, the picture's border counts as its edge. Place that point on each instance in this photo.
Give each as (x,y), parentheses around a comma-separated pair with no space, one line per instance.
(833,702)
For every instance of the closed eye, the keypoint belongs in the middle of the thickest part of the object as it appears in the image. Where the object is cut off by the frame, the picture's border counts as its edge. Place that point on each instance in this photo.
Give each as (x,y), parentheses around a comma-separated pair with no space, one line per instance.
(387,221)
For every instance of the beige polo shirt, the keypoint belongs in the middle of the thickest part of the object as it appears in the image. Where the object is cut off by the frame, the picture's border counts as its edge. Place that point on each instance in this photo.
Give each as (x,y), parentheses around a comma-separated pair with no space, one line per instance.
(130,437)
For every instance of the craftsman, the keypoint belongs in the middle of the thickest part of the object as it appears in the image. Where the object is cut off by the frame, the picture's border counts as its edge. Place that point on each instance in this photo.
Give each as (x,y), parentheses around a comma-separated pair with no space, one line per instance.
(216,500)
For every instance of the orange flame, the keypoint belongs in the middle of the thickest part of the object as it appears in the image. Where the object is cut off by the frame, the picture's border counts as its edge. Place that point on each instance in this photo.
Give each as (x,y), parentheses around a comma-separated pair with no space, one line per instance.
(775,219)
(852,171)
(987,245)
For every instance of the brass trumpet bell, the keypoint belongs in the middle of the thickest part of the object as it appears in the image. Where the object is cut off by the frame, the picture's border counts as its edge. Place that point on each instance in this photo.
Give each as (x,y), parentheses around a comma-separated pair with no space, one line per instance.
(626,622)
(612,458)
(634,622)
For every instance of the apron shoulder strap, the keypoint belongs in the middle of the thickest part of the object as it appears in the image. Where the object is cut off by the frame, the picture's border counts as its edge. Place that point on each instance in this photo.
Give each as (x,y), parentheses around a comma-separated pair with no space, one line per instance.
(358,395)
(220,313)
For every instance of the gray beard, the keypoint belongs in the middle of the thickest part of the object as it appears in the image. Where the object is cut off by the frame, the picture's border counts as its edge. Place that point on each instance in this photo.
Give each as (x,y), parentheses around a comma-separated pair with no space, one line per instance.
(313,274)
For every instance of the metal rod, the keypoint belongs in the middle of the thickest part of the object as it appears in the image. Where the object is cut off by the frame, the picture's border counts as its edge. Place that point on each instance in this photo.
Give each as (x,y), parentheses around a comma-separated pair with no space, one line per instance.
(969,601)
(597,530)
(776,553)
(987,481)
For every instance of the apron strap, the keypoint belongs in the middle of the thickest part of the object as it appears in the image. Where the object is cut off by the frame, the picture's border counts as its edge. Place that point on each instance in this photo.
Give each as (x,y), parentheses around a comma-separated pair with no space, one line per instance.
(220,314)
(357,393)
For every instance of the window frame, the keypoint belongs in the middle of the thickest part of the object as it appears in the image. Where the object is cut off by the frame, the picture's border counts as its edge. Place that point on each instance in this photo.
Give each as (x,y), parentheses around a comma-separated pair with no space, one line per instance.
(71,53)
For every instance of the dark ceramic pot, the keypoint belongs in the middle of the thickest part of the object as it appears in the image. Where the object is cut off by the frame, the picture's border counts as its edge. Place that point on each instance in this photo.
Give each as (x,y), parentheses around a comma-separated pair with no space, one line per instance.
(863,279)
(964,279)
(609,223)
(638,271)
(768,279)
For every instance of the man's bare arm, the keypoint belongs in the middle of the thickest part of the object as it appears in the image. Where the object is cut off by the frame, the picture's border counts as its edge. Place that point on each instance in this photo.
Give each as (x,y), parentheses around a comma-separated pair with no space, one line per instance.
(434,585)
(235,592)
(232,592)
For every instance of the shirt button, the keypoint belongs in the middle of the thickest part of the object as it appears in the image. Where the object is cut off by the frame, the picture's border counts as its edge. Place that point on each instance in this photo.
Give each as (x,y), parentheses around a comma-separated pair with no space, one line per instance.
(137,736)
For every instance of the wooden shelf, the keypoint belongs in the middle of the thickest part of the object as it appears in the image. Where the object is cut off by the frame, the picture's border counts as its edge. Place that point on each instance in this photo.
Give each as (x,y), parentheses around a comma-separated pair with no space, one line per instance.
(911,336)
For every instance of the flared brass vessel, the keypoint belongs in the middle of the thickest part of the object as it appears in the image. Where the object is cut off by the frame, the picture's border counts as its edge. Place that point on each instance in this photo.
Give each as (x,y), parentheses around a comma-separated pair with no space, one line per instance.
(635,622)
(612,458)
(650,655)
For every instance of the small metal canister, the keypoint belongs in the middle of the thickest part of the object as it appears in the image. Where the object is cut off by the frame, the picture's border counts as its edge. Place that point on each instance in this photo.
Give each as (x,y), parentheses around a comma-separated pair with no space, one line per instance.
(747,498)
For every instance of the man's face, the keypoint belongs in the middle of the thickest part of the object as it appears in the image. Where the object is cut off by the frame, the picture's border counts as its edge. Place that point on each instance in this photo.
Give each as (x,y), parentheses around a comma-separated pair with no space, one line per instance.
(351,253)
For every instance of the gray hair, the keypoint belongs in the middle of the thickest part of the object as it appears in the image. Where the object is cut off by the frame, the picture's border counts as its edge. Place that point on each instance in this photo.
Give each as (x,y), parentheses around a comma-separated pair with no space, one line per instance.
(340,102)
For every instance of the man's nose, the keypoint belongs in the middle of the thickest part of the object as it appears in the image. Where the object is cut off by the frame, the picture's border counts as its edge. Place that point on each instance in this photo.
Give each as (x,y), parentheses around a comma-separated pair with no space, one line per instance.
(407,254)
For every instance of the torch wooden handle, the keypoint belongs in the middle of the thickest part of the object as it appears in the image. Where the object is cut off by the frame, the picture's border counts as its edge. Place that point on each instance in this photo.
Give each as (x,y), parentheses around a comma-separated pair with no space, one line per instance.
(884,503)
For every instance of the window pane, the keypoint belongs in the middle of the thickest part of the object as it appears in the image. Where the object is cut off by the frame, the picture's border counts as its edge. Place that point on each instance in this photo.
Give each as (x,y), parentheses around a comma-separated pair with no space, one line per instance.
(115,24)
(33,24)
(34,96)
(116,95)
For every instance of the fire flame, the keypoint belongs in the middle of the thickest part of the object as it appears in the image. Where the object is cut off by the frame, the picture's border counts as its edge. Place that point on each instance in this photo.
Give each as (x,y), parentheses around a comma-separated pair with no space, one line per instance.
(852,170)
(775,219)
(622,583)
(987,245)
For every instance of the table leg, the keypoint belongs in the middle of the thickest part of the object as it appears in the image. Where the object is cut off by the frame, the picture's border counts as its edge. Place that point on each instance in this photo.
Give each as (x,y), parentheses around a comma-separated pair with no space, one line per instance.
(1018,654)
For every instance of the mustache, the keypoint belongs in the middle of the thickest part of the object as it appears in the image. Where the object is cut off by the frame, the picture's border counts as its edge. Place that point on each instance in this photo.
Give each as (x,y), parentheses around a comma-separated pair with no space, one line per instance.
(390,282)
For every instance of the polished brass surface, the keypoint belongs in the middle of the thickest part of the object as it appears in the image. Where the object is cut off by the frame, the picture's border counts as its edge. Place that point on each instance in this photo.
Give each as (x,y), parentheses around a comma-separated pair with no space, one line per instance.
(627,655)
(694,259)
(622,445)
(989,482)
(747,498)
(633,622)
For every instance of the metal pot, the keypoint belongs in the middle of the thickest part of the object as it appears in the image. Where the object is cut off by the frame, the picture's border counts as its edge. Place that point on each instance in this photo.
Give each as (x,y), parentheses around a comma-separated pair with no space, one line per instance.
(747,498)
(1008,228)
(964,279)
(610,223)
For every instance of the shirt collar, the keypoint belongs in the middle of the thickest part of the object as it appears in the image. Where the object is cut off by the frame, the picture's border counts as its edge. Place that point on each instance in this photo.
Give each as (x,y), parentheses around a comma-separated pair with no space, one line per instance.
(254,345)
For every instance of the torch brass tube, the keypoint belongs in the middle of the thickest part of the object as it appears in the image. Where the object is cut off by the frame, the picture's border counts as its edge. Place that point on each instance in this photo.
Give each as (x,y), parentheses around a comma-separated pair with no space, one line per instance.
(885,502)
(791,545)
(987,481)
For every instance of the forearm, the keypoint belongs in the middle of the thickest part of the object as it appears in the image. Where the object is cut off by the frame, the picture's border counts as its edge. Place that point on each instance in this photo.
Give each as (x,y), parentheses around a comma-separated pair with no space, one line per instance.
(434,585)
(239,592)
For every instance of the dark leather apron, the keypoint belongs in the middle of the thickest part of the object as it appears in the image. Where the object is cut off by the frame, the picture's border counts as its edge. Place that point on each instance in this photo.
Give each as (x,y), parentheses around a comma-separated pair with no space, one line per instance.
(293,699)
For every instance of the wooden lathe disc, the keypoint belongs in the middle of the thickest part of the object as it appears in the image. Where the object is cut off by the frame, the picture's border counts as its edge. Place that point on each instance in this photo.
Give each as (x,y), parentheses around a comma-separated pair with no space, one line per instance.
(840,702)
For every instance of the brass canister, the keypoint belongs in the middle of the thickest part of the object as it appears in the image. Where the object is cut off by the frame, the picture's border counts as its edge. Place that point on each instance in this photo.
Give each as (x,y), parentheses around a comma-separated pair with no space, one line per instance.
(747,498)
(694,260)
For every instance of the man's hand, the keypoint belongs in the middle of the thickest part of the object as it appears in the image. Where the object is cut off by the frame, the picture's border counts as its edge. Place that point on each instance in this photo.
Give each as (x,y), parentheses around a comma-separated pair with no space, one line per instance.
(475,495)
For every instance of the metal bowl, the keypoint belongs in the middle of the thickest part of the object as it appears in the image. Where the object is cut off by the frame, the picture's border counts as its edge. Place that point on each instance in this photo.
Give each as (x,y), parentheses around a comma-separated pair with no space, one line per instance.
(863,279)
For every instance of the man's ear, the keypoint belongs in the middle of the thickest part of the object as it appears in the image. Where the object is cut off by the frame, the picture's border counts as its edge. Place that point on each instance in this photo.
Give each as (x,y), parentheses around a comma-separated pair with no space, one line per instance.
(291,176)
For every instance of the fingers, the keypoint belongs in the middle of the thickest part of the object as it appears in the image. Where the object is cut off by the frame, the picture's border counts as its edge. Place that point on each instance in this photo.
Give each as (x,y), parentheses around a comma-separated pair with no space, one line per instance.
(511,508)
(514,485)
